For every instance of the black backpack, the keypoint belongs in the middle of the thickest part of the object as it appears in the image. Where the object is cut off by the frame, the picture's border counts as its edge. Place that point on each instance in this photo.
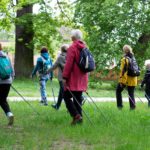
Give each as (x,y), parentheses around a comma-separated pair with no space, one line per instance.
(133,69)
(86,61)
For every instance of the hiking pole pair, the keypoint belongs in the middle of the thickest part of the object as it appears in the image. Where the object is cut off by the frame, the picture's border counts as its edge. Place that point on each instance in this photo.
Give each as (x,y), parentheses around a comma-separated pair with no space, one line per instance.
(80,106)
(25,100)
(97,107)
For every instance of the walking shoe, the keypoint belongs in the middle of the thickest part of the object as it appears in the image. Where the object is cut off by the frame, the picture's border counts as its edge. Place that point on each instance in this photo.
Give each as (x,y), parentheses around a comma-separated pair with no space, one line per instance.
(132,108)
(45,103)
(55,106)
(77,119)
(10,118)
(42,102)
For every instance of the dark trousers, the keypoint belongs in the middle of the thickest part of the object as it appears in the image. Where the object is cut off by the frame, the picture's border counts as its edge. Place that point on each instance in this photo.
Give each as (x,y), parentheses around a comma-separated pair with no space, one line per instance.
(72,105)
(147,94)
(61,93)
(4,90)
(130,94)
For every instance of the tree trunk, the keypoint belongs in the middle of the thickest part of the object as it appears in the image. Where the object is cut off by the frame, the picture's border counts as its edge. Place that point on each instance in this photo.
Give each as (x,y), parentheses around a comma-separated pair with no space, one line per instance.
(24,42)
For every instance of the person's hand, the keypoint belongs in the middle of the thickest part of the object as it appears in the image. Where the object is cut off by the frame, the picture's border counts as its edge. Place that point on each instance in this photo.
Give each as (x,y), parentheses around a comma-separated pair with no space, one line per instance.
(64,82)
(121,85)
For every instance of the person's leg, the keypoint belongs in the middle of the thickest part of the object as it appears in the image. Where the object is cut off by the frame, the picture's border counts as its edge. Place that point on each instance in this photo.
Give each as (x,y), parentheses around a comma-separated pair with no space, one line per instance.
(131,97)
(119,95)
(147,95)
(43,91)
(61,92)
(4,91)
(78,101)
(69,104)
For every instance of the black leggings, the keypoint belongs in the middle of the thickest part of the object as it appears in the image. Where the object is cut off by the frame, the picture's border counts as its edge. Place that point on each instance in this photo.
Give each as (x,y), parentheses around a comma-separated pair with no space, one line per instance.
(130,93)
(73,106)
(4,90)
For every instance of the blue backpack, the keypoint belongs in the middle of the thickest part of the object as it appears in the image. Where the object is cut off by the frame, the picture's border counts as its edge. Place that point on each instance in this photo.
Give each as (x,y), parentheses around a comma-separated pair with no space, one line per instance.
(46,65)
(5,68)
(86,62)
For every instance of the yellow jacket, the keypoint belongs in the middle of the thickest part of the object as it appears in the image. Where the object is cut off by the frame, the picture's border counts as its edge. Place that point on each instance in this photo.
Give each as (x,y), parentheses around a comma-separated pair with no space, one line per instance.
(124,78)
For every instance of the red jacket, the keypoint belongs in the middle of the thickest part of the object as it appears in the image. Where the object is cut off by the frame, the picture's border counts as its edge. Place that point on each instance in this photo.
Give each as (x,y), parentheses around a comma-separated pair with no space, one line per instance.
(76,79)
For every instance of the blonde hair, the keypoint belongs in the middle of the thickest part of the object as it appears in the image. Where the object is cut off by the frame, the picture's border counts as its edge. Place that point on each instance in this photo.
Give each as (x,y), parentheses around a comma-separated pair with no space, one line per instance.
(129,48)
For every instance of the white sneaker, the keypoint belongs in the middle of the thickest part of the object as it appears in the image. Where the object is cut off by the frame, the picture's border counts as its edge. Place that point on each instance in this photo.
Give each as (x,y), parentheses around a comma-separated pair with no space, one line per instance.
(10,118)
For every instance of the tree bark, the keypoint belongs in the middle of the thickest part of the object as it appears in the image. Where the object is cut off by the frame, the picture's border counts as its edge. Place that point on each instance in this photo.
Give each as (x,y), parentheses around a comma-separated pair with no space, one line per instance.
(24,45)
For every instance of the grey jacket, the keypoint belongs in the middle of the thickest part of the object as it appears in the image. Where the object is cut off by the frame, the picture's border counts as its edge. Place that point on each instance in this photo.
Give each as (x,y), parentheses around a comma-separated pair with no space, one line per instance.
(59,63)
(7,81)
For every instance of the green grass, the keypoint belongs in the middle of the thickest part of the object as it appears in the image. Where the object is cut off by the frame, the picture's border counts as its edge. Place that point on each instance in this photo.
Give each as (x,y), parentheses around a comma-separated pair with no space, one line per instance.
(28,87)
(125,130)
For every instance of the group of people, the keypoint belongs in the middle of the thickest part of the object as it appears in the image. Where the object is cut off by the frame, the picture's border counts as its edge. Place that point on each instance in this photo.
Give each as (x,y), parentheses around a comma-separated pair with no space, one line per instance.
(72,80)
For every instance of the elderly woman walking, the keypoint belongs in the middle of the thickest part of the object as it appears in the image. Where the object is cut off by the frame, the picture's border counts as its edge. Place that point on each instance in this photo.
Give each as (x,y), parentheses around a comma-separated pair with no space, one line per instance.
(60,63)
(75,80)
(126,79)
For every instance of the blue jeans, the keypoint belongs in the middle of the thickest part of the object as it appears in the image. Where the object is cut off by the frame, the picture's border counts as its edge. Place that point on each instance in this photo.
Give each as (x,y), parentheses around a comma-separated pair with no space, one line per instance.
(43,81)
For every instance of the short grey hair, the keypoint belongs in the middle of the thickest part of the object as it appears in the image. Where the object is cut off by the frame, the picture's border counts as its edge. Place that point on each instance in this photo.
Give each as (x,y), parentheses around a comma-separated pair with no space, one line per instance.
(147,62)
(76,33)
(64,47)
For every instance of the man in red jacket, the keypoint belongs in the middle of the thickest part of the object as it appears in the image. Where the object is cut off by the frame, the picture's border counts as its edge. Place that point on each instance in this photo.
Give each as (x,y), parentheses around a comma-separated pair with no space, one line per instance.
(75,80)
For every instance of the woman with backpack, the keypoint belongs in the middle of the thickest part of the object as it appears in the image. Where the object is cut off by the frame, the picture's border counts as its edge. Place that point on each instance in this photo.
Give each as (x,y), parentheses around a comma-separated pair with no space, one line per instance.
(126,78)
(60,63)
(75,80)
(6,78)
(44,62)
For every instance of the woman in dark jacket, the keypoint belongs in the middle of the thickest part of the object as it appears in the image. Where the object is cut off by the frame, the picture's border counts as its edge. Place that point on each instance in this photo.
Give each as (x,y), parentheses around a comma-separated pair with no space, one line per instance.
(146,81)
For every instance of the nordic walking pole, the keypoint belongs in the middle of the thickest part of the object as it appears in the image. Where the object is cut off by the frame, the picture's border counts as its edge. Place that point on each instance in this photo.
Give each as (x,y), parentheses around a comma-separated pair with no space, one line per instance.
(97,106)
(25,100)
(81,107)
(53,91)
(130,97)
(88,103)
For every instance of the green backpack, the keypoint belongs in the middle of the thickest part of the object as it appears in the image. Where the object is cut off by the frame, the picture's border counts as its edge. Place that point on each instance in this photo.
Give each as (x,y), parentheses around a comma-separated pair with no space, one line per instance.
(5,68)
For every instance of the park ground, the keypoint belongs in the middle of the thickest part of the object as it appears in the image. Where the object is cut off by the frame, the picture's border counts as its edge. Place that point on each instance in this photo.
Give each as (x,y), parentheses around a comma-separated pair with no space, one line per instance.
(111,129)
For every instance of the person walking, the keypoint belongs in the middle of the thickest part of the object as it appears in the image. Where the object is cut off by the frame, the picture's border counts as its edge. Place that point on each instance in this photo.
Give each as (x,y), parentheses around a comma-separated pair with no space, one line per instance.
(146,81)
(126,80)
(6,78)
(75,80)
(44,63)
(60,63)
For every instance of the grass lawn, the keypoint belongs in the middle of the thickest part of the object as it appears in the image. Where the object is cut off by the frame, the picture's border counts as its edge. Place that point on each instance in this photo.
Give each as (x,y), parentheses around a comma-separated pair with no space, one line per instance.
(28,87)
(51,130)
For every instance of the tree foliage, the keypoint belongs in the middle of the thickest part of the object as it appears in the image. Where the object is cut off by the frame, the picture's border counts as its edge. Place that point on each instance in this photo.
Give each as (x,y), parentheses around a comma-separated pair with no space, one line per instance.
(112,23)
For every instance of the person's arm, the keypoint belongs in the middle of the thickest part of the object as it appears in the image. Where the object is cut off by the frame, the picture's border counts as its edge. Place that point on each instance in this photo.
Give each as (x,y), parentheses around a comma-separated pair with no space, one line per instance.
(35,68)
(123,71)
(69,63)
(145,79)
(54,66)
(51,73)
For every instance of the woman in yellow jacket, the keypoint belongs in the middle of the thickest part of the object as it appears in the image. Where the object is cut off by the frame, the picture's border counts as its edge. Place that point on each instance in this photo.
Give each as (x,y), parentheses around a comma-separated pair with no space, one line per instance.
(125,80)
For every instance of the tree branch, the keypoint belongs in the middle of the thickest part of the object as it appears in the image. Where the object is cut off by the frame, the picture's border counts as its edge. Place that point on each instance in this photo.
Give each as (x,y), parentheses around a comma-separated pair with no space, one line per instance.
(59,5)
